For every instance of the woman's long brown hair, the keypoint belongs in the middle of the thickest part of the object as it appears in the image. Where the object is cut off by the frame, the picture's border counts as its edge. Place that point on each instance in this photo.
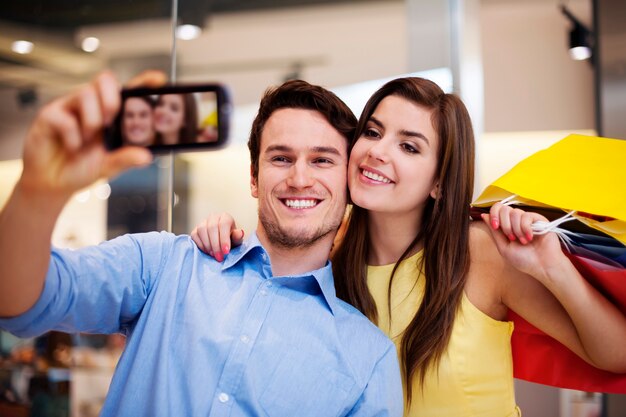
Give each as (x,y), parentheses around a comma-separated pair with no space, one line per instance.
(444,232)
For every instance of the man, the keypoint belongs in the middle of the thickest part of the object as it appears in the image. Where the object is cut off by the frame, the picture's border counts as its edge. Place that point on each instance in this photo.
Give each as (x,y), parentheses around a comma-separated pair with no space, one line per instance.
(260,334)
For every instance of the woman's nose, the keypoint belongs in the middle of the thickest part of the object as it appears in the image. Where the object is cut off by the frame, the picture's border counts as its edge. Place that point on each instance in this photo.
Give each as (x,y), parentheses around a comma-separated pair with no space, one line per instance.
(379,151)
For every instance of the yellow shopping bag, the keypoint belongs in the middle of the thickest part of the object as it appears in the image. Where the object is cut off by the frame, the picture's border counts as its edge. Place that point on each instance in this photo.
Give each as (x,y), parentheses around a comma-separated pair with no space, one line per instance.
(580,173)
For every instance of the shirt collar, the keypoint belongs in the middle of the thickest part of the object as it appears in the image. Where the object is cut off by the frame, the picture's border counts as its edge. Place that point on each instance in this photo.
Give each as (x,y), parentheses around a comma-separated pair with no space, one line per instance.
(323,276)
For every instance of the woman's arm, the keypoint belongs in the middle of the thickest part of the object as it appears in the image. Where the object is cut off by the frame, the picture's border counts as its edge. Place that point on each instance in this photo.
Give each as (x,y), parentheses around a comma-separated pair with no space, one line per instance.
(540,284)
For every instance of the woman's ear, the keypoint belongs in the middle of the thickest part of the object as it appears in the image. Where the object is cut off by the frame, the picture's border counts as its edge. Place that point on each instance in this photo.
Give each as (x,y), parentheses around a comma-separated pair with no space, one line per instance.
(434,193)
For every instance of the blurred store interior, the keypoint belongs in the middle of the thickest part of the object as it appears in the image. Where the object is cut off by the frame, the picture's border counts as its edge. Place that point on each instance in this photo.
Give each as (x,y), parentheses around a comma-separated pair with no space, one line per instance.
(508,59)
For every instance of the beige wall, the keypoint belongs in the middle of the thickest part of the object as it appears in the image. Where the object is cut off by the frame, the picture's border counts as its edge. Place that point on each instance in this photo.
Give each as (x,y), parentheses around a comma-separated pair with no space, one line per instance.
(531,84)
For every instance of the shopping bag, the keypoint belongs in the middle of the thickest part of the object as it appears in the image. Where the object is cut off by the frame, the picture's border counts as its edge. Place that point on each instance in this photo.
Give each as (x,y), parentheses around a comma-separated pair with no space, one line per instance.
(582,173)
(584,176)
(539,358)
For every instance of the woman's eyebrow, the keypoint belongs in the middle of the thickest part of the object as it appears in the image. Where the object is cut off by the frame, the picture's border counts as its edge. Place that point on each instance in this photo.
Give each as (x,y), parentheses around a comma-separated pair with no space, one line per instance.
(403,132)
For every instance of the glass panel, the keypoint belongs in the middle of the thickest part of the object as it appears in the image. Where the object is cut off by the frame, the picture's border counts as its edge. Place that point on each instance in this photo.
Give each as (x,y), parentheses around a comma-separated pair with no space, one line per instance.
(135,35)
(46,50)
(260,46)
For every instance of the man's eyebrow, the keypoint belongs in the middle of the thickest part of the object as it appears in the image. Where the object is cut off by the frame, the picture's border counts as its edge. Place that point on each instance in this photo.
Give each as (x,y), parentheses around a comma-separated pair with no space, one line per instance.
(403,132)
(278,148)
(316,149)
(327,149)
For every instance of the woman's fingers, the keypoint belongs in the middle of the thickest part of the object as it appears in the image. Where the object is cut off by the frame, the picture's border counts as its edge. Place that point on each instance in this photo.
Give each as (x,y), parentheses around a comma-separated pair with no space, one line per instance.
(217,234)
(236,237)
(213,232)
(514,223)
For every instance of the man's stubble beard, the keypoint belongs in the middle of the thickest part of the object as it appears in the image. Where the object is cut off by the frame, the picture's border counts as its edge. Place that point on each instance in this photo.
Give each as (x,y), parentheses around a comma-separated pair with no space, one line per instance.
(297,239)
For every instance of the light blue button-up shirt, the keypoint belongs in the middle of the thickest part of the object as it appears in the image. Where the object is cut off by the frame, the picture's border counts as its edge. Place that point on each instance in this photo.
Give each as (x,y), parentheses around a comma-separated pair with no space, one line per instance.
(217,339)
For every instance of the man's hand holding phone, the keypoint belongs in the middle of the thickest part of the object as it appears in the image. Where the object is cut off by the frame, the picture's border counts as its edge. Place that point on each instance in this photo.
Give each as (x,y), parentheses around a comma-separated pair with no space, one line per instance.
(64,149)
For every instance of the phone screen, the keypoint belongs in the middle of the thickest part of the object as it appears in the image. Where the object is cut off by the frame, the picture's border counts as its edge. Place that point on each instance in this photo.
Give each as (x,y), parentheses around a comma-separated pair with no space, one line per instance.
(180,117)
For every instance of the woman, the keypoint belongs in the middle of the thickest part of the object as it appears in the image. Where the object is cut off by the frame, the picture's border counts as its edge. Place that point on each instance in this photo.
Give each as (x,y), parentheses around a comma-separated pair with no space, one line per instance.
(137,121)
(176,119)
(439,285)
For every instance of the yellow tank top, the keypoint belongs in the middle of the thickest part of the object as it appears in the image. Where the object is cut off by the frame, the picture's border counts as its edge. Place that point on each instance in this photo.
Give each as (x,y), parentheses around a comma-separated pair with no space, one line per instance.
(475,375)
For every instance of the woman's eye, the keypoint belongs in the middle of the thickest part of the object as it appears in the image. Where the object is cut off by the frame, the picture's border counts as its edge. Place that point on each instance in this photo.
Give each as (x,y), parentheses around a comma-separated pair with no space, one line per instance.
(371,133)
(407,147)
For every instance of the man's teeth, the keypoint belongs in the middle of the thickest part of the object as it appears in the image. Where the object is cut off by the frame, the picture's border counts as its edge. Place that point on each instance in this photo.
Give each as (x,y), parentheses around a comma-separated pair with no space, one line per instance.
(376,177)
(300,204)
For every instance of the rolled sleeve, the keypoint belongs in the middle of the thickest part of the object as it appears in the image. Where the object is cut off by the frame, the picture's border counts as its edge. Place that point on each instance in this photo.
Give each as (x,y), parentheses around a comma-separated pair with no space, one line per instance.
(98,289)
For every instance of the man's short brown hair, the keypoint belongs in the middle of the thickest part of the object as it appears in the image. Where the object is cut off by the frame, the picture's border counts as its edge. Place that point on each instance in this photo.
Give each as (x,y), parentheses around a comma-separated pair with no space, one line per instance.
(298,94)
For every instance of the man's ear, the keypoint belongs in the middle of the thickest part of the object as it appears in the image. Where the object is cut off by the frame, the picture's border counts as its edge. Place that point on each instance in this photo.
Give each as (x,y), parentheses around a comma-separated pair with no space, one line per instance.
(254,190)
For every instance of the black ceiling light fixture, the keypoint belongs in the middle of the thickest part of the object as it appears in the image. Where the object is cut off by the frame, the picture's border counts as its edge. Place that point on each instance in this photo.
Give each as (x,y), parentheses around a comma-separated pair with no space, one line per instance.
(192,18)
(580,38)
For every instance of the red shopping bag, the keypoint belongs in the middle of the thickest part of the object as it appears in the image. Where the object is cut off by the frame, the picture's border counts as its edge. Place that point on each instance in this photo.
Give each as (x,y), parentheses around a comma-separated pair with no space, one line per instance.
(539,358)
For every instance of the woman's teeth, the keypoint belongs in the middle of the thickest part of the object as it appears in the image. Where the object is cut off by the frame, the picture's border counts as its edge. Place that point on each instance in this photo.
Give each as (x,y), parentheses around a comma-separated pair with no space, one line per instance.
(375,177)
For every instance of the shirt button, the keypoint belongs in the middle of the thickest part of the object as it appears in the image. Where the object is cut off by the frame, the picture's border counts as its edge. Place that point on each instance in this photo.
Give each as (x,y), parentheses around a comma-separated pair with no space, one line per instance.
(264,257)
(223,397)
(263,291)
(244,339)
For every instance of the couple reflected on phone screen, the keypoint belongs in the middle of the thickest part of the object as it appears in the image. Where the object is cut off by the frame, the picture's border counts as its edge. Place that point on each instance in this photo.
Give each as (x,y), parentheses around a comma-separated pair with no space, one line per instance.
(168,119)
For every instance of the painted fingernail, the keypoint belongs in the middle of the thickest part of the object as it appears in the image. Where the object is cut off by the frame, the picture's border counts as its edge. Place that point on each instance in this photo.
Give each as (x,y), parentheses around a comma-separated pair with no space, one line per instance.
(523,241)
(225,249)
(219,257)
(511,237)
(529,236)
(211,253)
(495,223)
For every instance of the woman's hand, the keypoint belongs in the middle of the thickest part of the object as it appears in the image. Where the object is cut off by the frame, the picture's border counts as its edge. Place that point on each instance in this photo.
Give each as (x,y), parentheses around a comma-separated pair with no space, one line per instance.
(511,229)
(216,234)
(542,285)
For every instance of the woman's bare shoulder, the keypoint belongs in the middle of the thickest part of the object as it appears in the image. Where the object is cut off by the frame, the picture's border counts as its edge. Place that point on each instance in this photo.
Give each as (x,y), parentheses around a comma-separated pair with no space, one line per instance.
(484,286)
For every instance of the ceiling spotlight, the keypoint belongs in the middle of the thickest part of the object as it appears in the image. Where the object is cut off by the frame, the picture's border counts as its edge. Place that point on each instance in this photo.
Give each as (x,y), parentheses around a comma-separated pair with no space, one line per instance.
(580,38)
(90,44)
(188,32)
(22,47)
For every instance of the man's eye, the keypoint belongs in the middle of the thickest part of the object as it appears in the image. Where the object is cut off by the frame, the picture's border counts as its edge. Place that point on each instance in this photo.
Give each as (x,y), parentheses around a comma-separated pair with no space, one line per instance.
(280,159)
(323,161)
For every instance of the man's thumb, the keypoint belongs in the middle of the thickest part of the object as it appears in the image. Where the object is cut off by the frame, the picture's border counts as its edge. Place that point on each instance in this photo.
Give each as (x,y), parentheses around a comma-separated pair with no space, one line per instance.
(125,158)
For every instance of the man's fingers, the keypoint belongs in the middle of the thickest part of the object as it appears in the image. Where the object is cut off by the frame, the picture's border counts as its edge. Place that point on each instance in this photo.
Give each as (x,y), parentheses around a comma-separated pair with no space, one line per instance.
(149,78)
(109,94)
(58,125)
(125,158)
(89,112)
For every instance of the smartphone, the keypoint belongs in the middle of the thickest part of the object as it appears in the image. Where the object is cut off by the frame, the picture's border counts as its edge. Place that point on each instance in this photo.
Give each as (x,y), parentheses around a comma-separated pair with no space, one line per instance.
(172,118)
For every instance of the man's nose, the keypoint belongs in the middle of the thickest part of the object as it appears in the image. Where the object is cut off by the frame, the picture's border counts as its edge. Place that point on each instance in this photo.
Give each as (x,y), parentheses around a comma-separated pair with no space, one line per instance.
(300,175)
